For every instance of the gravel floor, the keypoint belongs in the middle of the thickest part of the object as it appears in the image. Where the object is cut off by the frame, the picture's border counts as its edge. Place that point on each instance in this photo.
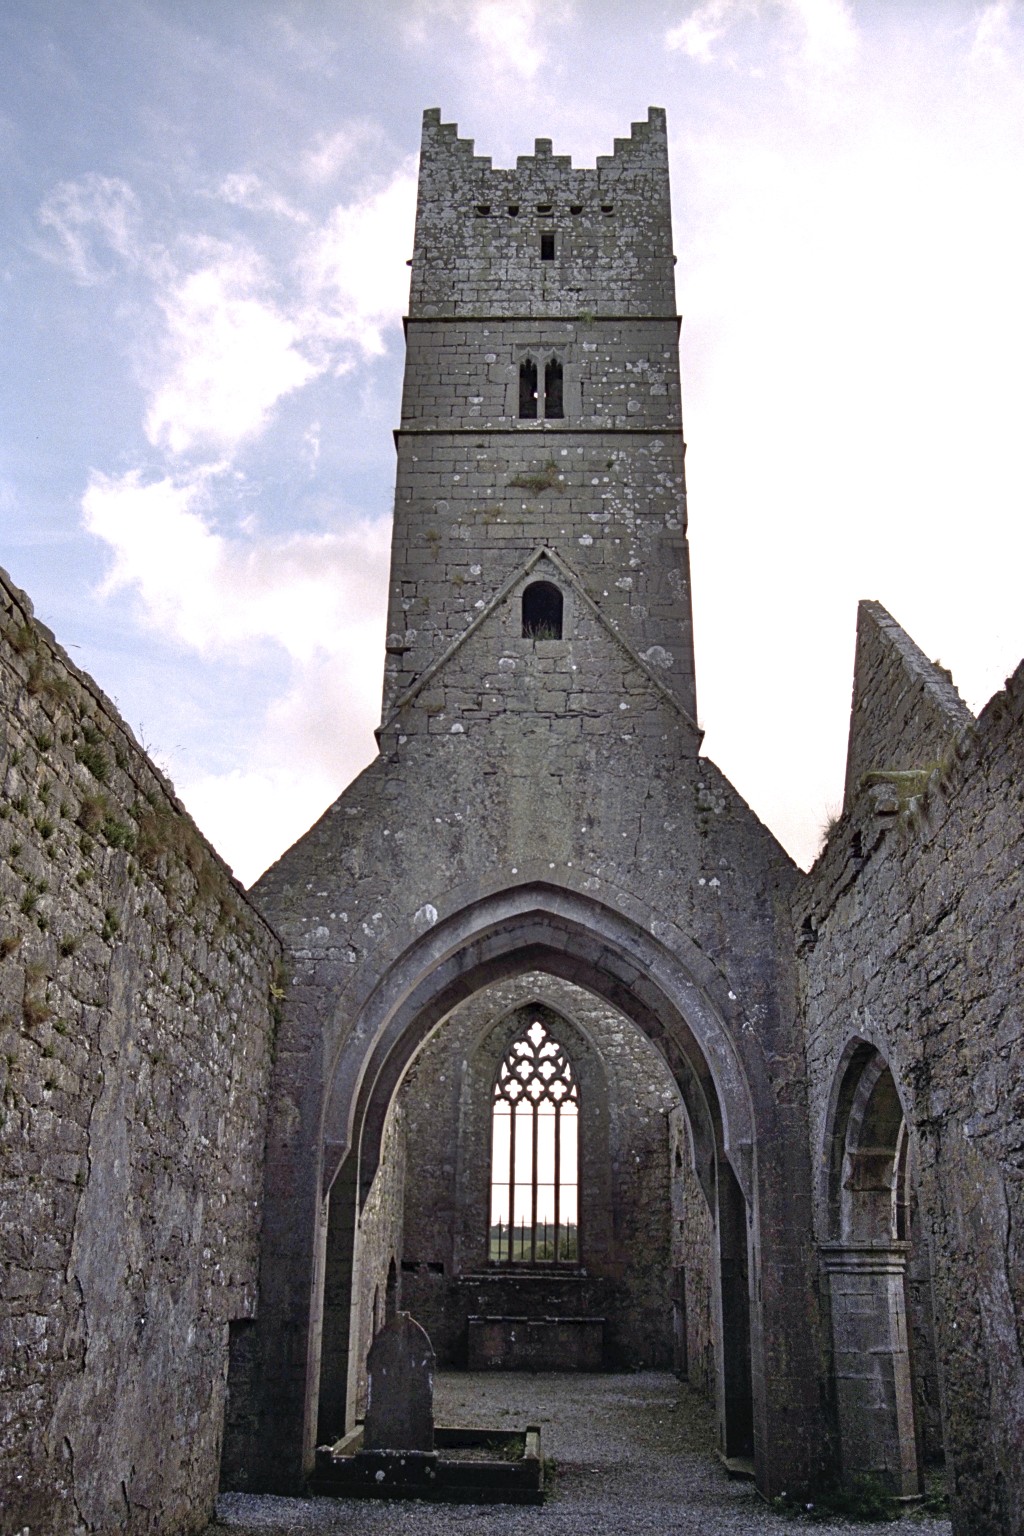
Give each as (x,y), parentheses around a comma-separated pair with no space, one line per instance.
(634,1455)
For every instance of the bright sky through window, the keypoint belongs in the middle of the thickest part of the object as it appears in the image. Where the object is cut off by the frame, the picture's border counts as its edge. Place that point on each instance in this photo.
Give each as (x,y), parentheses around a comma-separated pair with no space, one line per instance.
(534,1154)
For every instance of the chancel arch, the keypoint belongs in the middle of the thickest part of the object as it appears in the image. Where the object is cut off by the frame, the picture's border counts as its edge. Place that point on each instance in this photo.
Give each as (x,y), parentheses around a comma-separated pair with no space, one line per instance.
(534,930)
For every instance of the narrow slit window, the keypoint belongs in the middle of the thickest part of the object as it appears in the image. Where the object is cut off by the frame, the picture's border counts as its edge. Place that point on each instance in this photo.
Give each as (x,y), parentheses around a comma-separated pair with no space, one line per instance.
(542,611)
(528,389)
(547,247)
(553,389)
(534,1154)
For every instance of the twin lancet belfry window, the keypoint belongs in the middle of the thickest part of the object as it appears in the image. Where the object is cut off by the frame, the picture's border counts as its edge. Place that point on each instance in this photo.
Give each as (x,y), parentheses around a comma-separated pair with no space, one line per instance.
(534,1154)
(529,398)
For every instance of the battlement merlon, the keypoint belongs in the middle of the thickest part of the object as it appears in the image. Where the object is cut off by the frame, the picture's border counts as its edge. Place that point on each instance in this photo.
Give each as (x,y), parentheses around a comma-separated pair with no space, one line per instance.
(441,140)
(544,237)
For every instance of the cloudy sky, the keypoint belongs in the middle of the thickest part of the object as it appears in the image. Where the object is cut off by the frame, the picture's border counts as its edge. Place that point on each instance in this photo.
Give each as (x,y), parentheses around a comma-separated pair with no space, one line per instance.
(207,209)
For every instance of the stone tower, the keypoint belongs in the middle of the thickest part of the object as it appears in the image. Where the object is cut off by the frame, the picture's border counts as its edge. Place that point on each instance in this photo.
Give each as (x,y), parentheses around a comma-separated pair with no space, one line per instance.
(539,805)
(541,409)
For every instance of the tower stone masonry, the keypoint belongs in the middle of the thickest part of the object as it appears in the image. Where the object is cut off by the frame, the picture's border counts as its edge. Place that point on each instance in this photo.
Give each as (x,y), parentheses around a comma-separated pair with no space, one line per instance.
(523,278)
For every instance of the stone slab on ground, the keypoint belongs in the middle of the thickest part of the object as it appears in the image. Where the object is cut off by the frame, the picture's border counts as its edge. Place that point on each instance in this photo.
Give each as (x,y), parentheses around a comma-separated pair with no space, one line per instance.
(634,1454)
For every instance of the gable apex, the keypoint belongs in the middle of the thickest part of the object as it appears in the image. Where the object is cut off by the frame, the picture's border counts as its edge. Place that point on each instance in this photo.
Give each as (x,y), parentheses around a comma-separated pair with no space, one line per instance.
(547,562)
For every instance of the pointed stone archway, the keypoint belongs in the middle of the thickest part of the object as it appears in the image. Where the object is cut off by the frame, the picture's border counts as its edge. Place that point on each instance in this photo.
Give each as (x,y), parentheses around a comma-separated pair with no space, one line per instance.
(670,996)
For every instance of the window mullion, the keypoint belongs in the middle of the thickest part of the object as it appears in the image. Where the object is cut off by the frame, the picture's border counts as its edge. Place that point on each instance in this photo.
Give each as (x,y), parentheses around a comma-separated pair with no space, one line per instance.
(512,1182)
(533,1222)
(558,1174)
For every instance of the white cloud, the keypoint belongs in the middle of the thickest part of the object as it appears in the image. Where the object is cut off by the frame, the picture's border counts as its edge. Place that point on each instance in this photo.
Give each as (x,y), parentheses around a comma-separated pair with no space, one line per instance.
(697,33)
(331,153)
(507,31)
(354,269)
(823,31)
(238,332)
(319,598)
(229,354)
(830,37)
(238,337)
(308,593)
(89,218)
(994,38)
(244,189)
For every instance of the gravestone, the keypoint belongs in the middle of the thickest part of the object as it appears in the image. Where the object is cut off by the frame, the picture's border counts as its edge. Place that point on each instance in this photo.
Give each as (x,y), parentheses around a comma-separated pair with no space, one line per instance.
(400,1397)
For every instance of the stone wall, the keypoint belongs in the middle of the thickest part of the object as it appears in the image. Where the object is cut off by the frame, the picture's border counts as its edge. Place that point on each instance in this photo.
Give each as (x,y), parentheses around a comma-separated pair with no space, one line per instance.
(380,1245)
(912,943)
(137,992)
(693,1236)
(626,1095)
(906,710)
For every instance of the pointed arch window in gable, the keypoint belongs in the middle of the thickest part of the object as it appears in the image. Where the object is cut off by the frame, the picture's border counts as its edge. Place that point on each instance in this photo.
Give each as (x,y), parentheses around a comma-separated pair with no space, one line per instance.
(535,1154)
(553,390)
(528,390)
(543,608)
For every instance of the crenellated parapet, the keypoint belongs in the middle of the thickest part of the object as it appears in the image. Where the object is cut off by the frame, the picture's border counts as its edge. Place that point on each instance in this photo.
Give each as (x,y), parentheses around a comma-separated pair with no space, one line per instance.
(545,237)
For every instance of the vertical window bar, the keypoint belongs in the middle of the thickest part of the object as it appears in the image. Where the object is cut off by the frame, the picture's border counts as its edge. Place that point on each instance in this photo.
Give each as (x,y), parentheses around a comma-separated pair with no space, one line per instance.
(512,1185)
(533,1178)
(558,1177)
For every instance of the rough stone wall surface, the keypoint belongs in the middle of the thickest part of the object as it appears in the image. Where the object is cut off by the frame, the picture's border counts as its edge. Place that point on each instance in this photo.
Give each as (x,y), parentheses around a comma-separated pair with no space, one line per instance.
(611,227)
(693,1236)
(613,507)
(135,1035)
(600,798)
(624,1177)
(912,942)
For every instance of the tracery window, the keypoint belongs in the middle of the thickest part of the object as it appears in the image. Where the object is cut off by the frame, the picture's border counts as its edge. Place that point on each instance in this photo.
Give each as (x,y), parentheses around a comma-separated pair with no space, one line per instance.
(534,1154)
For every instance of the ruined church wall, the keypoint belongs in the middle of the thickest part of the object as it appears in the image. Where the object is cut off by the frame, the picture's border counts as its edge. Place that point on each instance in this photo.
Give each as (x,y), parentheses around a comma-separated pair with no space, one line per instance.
(136,1025)
(912,941)
(906,711)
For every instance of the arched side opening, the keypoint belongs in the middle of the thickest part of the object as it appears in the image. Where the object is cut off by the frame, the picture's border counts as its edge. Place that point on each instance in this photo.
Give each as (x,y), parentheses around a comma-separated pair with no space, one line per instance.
(543,607)
(870,1209)
(509,948)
